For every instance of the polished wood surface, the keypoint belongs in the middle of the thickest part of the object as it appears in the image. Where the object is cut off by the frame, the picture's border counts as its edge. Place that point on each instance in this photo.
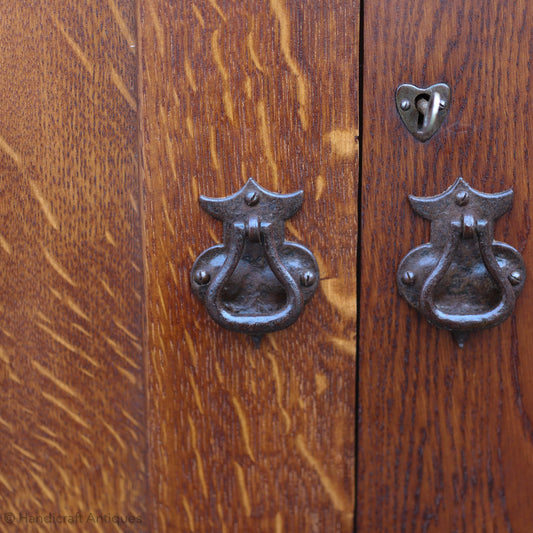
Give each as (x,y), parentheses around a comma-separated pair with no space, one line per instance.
(72,425)
(114,117)
(445,434)
(246,439)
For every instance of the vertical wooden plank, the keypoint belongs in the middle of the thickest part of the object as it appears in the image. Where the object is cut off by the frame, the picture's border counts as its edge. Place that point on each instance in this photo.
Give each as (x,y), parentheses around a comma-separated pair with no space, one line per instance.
(72,404)
(445,440)
(245,439)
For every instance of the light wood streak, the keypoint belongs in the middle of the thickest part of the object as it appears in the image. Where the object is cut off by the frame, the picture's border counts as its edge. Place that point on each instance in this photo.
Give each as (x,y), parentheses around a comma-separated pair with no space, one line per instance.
(107,288)
(320,184)
(199,461)
(348,346)
(5,246)
(191,348)
(54,379)
(220,513)
(58,338)
(218,10)
(53,444)
(3,355)
(278,523)
(245,428)
(57,266)
(65,408)
(253,55)
(121,86)
(158,28)
(198,16)
(245,498)
(293,231)
(73,45)
(189,75)
(213,148)
(188,511)
(340,501)
(124,329)
(115,435)
(43,487)
(24,452)
(277,380)
(120,352)
(76,308)
(7,425)
(285,42)
(110,239)
(334,290)
(343,143)
(11,152)
(196,392)
(321,383)
(217,56)
(126,32)
(5,482)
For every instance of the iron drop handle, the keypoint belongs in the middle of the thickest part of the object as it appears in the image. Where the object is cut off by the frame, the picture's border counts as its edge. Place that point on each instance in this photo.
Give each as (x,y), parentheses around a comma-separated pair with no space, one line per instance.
(256,282)
(455,321)
(462,280)
(281,319)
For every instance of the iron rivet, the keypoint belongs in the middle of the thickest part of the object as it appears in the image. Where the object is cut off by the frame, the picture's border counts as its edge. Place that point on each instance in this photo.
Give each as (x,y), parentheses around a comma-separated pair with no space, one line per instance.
(515,277)
(202,277)
(405,105)
(461,198)
(408,277)
(252,198)
(307,279)
(443,104)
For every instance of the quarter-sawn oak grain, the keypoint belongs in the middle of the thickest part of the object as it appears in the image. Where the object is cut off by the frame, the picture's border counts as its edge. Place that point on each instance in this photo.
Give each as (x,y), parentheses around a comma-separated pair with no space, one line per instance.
(445,440)
(72,425)
(245,439)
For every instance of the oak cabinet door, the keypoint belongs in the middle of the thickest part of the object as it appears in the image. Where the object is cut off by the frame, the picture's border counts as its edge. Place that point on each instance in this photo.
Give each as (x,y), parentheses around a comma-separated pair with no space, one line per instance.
(444,441)
(245,438)
(120,396)
(72,412)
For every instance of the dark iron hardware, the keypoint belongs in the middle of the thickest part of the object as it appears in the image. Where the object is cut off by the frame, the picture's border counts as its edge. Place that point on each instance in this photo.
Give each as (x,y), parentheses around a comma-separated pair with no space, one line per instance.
(423,110)
(462,280)
(256,282)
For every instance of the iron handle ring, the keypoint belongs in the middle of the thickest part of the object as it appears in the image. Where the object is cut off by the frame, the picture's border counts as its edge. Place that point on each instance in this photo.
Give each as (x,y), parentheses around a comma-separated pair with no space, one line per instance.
(430,118)
(255,324)
(460,322)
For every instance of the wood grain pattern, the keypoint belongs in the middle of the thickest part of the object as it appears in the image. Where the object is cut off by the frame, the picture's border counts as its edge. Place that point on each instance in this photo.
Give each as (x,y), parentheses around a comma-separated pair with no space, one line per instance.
(72,426)
(445,440)
(245,439)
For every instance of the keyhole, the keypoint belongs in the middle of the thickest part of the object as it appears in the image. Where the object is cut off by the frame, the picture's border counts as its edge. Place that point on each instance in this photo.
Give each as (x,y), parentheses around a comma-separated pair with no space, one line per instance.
(422,106)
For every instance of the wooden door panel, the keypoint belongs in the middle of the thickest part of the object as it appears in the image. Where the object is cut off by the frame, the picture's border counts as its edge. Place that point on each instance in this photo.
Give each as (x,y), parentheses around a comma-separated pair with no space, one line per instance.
(445,441)
(72,405)
(246,439)
(240,438)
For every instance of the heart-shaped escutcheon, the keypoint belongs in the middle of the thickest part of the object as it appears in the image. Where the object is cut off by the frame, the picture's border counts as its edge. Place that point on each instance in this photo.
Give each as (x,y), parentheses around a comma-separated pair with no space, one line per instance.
(423,110)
